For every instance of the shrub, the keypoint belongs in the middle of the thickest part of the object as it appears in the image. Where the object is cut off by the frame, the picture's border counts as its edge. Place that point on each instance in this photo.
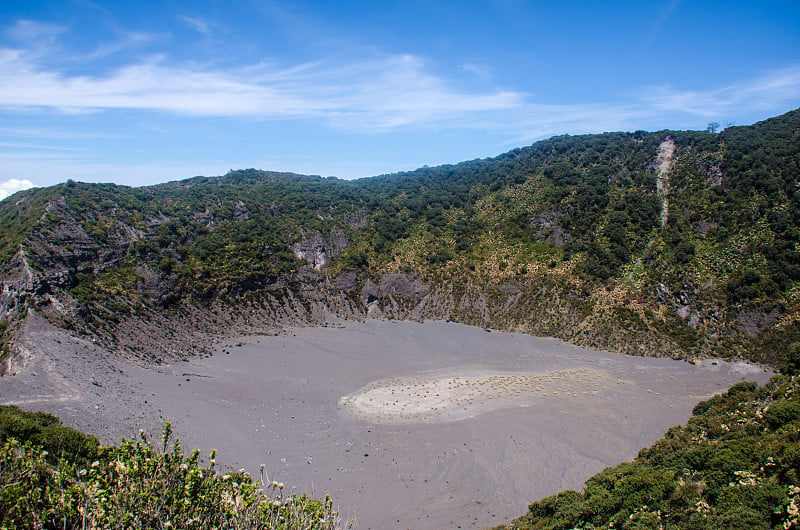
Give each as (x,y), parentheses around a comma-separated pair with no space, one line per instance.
(780,413)
(723,470)
(45,430)
(791,362)
(136,486)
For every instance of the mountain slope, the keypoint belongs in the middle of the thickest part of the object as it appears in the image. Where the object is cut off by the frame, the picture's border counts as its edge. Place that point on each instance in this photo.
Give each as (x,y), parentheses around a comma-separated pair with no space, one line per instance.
(733,466)
(674,243)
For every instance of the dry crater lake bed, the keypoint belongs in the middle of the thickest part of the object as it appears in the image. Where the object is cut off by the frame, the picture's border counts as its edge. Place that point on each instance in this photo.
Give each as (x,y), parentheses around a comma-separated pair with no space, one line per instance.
(407,425)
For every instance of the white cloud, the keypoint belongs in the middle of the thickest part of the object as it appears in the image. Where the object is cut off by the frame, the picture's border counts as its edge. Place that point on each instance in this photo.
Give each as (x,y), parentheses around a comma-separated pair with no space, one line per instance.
(377,93)
(765,92)
(382,92)
(660,107)
(11,186)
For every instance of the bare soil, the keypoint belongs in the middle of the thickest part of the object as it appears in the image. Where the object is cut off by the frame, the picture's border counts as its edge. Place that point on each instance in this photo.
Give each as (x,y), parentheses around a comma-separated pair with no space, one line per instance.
(407,425)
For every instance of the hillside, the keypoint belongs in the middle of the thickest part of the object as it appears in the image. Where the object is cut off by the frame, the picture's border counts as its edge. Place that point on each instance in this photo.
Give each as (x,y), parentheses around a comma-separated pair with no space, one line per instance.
(670,243)
(734,465)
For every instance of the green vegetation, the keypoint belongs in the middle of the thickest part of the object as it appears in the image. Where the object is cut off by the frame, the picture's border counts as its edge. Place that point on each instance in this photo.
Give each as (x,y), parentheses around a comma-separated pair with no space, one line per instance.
(5,347)
(20,220)
(580,215)
(45,431)
(572,229)
(735,465)
(55,477)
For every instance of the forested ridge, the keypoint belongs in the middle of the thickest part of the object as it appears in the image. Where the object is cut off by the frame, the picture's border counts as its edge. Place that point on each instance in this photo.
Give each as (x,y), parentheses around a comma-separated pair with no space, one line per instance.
(669,243)
(700,259)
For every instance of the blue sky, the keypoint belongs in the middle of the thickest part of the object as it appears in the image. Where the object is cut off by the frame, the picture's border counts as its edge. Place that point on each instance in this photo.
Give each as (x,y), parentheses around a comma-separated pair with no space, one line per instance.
(145,92)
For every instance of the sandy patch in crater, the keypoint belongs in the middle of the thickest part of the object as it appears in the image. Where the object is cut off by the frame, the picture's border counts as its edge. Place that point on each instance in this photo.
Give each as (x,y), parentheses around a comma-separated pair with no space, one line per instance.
(463,394)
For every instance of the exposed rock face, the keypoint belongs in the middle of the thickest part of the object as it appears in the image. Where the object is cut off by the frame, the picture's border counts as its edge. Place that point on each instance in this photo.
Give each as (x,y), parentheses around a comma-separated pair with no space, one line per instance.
(63,244)
(154,287)
(508,288)
(752,320)
(52,257)
(240,212)
(318,252)
(346,281)
(548,229)
(208,219)
(20,286)
(403,285)
(370,293)
(357,220)
(314,251)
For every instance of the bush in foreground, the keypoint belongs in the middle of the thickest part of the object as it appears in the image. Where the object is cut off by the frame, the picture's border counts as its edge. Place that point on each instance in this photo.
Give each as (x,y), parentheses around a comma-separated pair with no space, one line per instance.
(136,485)
(46,431)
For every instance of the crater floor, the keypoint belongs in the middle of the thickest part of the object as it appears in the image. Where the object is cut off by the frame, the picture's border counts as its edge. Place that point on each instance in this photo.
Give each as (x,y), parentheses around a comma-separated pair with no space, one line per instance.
(407,425)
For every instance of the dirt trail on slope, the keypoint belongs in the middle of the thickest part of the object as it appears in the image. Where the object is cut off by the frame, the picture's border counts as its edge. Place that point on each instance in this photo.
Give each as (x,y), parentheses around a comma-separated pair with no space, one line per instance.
(666,152)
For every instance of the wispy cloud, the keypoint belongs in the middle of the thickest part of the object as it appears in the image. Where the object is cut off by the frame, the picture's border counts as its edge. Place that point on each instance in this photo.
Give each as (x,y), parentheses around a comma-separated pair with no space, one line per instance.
(382,92)
(481,71)
(379,92)
(538,121)
(126,41)
(32,31)
(662,107)
(763,92)
(666,12)
(196,23)
(54,133)
(11,186)
(38,39)
(20,145)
